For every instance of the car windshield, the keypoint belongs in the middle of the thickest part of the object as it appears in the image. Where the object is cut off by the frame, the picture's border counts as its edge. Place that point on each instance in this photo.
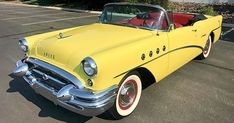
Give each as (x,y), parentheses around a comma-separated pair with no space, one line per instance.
(138,16)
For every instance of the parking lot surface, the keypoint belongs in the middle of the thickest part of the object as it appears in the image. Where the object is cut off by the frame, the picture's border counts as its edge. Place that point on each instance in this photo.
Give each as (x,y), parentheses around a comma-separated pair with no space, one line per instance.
(201,91)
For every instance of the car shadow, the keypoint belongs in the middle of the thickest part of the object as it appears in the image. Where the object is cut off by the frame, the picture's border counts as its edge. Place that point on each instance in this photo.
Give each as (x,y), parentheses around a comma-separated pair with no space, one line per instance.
(48,109)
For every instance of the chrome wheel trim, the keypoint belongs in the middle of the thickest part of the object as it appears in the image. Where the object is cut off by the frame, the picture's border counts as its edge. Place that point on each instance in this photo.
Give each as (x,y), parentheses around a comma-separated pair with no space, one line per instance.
(129,107)
(207,48)
(128,94)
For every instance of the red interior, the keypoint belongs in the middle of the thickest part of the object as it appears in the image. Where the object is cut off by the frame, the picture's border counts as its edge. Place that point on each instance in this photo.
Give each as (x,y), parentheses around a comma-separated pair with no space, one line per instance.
(180,20)
(150,21)
(136,22)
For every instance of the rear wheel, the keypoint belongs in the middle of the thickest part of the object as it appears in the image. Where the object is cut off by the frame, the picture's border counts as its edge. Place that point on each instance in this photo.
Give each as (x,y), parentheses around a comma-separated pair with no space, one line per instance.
(128,96)
(206,50)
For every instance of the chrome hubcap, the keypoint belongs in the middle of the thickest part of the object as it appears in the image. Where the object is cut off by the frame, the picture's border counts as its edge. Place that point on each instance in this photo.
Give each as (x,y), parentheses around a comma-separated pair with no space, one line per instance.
(207,47)
(128,94)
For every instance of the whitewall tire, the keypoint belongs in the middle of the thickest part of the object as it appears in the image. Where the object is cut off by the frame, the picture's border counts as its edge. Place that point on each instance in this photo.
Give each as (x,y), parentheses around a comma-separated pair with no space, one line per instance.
(206,51)
(128,96)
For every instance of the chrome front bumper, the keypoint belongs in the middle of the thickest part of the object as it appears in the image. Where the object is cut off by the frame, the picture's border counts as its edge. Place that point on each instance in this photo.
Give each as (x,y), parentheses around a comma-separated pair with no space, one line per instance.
(80,100)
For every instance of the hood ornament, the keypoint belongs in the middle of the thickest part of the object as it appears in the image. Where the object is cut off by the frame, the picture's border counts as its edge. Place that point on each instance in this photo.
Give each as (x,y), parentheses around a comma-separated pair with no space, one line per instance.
(61,35)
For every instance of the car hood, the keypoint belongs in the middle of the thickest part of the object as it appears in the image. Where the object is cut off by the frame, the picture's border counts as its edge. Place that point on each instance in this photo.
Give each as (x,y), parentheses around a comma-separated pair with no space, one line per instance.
(78,43)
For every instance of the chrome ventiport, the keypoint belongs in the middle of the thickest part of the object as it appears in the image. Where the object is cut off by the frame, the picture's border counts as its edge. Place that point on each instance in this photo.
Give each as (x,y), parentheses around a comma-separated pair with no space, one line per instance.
(21,70)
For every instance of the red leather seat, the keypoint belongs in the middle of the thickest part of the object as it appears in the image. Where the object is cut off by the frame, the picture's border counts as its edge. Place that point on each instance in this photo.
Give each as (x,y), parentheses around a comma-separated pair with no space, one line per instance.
(142,22)
(136,22)
(182,19)
(154,15)
(177,25)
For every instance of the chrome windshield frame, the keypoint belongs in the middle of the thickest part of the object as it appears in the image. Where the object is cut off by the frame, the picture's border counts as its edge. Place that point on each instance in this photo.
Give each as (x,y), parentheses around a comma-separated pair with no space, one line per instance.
(146,5)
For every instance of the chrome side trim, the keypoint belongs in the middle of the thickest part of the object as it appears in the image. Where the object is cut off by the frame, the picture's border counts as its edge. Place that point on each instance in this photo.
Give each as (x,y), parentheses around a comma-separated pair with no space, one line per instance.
(57,70)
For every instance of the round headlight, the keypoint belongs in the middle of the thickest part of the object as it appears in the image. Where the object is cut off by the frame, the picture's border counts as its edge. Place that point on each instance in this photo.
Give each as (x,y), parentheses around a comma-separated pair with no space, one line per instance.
(89,66)
(23,44)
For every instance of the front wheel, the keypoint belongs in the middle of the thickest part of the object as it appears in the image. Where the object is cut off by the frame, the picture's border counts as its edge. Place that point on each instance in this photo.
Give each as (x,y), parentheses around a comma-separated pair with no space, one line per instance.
(128,96)
(206,50)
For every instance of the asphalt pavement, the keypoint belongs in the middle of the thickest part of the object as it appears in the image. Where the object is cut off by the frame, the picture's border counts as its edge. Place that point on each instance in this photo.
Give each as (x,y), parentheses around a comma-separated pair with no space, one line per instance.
(201,91)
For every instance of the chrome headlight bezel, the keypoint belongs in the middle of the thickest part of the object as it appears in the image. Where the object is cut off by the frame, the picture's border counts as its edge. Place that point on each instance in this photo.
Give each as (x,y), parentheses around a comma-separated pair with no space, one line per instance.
(89,66)
(23,44)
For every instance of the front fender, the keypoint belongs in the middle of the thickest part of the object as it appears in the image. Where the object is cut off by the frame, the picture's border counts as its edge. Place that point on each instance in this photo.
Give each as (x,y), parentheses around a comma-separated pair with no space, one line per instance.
(113,64)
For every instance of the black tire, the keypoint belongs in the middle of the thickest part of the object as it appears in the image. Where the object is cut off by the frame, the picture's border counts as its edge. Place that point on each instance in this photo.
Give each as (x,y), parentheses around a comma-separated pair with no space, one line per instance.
(117,111)
(207,49)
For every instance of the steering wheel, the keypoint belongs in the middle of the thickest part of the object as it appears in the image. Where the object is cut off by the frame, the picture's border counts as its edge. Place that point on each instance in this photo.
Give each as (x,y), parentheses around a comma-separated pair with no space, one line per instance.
(148,22)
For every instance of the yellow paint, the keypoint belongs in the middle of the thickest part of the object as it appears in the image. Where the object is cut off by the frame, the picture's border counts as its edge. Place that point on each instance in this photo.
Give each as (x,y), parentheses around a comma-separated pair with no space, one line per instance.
(118,49)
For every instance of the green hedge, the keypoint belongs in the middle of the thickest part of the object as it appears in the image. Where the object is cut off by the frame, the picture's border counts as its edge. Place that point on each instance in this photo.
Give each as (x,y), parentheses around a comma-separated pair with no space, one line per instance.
(208,10)
(98,4)
(163,3)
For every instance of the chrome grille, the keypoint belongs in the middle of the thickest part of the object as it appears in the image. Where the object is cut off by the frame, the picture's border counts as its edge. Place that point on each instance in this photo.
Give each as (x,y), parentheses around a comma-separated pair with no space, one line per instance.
(51,81)
(51,74)
(54,72)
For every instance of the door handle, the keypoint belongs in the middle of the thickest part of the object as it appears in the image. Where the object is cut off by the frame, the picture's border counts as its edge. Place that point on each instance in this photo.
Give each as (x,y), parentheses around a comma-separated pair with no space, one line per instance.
(194,30)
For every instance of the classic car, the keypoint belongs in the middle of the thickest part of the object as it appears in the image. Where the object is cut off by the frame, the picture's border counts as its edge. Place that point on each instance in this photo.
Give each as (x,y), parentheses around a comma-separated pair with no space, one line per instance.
(104,66)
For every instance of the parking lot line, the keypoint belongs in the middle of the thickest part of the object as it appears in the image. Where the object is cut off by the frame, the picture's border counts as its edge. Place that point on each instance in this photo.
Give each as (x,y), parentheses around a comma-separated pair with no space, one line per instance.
(7,8)
(14,12)
(56,20)
(38,11)
(14,18)
(23,13)
(230,30)
(27,12)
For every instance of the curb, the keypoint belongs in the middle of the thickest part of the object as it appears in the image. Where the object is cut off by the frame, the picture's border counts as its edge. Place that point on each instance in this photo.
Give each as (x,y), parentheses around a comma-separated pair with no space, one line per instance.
(52,7)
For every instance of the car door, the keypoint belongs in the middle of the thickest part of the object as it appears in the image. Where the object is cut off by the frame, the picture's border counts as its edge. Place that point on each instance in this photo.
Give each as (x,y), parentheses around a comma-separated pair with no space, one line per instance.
(159,49)
(156,49)
(182,45)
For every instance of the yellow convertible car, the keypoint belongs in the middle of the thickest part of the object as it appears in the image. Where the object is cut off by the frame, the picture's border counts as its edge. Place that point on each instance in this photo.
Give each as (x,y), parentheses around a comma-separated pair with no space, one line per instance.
(104,66)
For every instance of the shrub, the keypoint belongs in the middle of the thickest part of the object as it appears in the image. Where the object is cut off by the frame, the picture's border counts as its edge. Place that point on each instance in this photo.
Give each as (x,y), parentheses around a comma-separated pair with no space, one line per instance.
(163,3)
(208,10)
(98,4)
(95,4)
